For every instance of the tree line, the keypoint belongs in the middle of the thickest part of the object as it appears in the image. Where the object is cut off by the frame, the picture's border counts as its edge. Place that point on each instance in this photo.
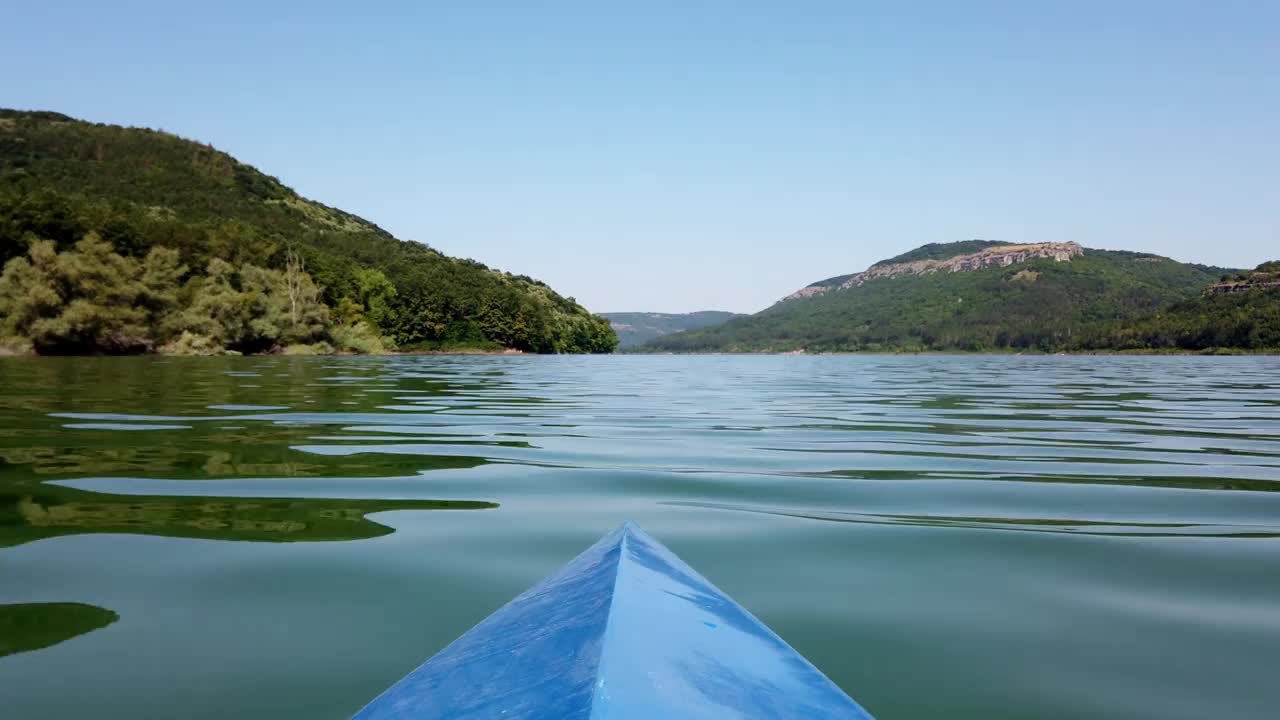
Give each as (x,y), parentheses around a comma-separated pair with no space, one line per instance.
(90,299)
(63,182)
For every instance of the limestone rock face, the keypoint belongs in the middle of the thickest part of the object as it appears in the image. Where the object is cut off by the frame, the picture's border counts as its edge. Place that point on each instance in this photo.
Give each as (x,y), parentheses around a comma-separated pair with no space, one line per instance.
(997,256)
(1243,286)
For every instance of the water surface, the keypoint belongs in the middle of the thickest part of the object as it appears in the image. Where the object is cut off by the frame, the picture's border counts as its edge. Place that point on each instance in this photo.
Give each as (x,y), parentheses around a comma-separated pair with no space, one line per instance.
(945,537)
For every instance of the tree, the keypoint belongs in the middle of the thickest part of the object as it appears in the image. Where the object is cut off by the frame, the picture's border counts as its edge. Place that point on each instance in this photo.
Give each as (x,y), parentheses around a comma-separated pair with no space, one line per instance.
(376,295)
(285,306)
(161,281)
(293,272)
(103,314)
(219,311)
(79,301)
(29,291)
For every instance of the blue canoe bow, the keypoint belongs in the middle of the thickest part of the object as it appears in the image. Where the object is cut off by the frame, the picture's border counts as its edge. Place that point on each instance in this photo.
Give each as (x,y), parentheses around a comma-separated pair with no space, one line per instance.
(625,631)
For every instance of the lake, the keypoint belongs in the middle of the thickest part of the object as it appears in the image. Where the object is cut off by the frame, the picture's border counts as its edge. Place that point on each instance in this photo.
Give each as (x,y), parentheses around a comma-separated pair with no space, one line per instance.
(944,536)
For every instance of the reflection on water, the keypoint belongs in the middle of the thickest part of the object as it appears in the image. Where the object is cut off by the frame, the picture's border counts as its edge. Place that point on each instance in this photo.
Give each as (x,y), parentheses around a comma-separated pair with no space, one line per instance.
(31,626)
(49,510)
(1055,523)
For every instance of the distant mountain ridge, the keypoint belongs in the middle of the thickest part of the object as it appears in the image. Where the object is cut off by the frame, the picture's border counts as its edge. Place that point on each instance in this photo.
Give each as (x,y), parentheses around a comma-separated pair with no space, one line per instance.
(636,328)
(979,295)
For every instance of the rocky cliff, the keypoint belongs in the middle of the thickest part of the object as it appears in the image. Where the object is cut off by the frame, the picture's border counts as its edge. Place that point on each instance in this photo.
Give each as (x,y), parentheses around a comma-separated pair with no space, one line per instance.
(996,256)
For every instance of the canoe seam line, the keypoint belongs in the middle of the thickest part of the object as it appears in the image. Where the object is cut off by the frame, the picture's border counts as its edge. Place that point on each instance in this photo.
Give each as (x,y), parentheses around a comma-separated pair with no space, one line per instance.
(608,622)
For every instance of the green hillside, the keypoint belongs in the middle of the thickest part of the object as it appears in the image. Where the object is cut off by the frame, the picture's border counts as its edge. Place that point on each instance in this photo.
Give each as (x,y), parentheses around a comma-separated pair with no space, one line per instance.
(1242,311)
(637,328)
(1039,304)
(212,254)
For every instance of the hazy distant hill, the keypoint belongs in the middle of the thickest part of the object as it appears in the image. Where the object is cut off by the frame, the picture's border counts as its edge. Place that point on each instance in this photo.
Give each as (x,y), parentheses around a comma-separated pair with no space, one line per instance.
(137,190)
(636,328)
(968,296)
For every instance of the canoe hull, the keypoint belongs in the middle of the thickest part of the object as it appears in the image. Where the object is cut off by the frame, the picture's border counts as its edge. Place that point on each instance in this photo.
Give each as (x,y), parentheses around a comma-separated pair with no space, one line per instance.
(625,631)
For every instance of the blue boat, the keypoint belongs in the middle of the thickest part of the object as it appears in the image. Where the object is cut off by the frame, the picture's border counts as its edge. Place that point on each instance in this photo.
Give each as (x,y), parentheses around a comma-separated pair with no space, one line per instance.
(625,631)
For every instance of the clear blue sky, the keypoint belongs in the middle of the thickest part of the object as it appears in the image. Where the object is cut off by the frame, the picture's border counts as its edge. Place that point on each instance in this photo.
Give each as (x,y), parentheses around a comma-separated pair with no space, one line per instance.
(676,156)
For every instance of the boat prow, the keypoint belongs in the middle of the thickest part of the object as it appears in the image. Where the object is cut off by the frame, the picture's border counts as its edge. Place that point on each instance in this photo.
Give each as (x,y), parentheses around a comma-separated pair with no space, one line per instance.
(625,631)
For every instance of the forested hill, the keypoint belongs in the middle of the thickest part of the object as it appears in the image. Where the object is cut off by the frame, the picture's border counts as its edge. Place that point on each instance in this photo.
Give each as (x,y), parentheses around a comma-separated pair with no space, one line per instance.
(637,328)
(213,255)
(1239,312)
(983,296)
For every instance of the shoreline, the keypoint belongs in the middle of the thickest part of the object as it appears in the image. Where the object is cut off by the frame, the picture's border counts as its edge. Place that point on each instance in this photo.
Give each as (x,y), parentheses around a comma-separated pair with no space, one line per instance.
(1217,352)
(1214,352)
(7,353)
